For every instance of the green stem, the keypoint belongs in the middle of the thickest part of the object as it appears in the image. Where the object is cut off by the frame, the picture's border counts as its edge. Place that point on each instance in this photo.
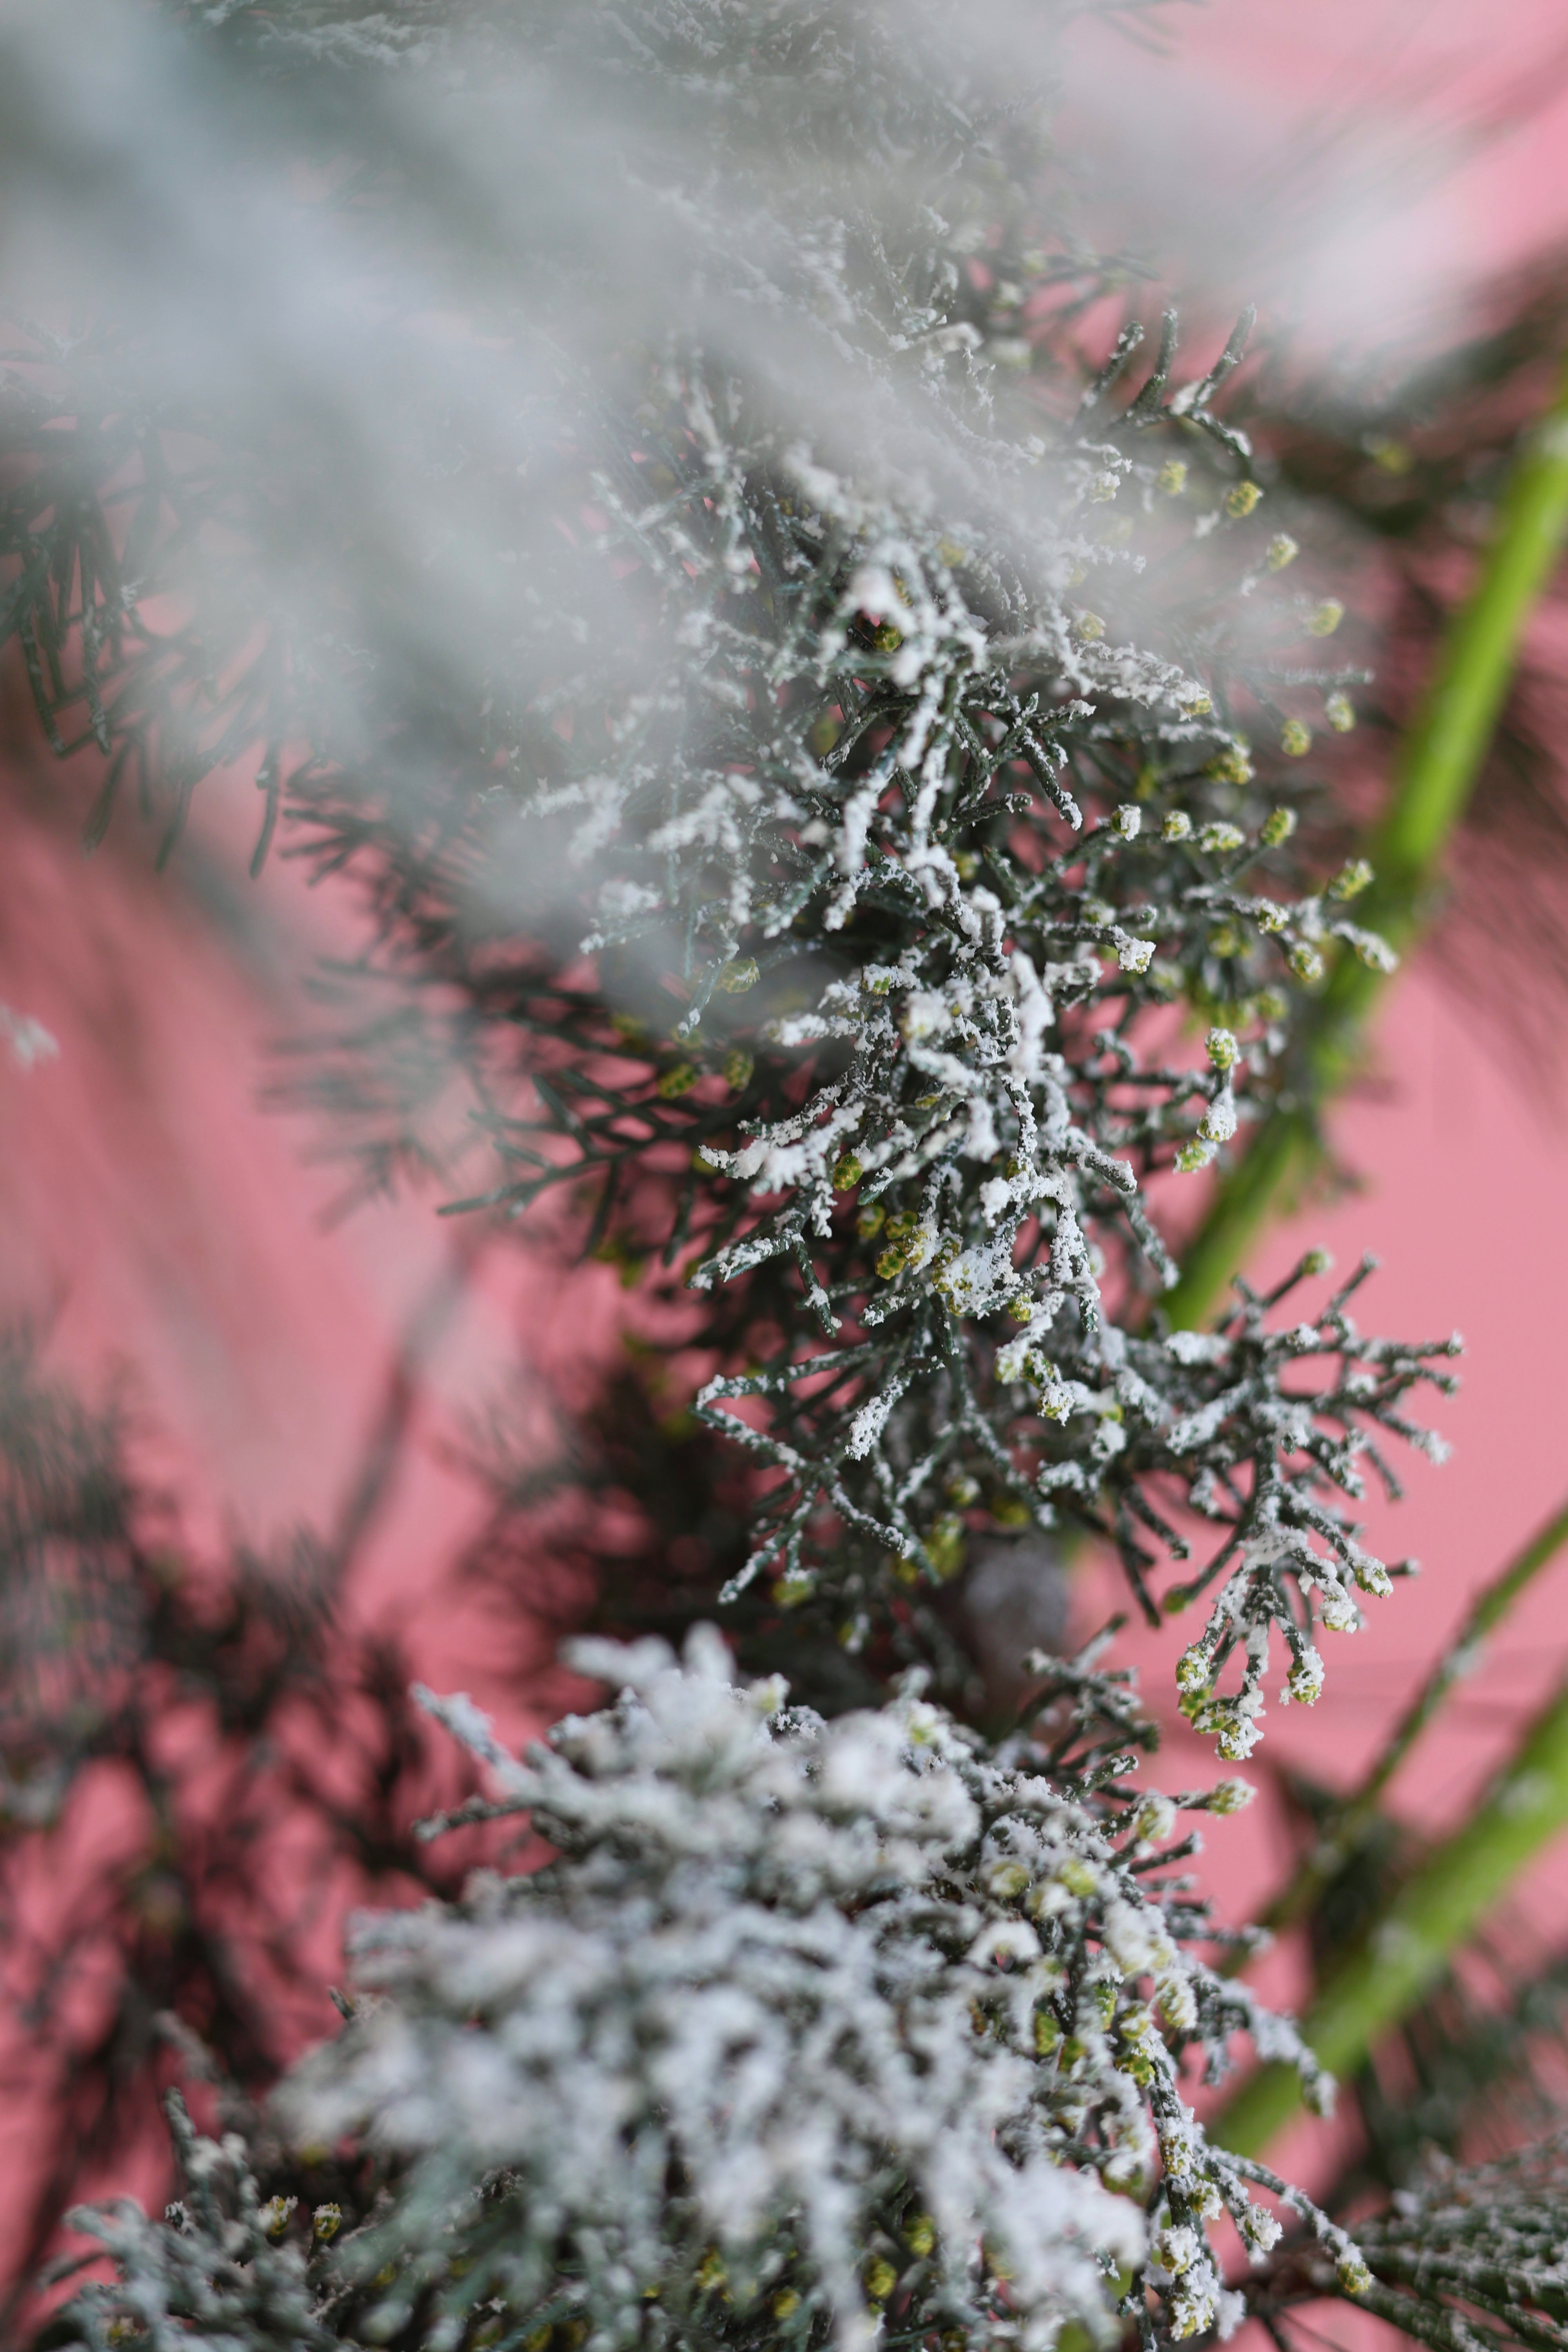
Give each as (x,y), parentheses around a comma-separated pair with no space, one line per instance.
(1437,765)
(1419,1928)
(1356,1813)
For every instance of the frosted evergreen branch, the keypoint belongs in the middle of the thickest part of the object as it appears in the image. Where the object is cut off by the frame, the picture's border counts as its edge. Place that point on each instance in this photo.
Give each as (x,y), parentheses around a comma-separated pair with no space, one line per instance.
(1467,2258)
(901,2017)
(1353,1815)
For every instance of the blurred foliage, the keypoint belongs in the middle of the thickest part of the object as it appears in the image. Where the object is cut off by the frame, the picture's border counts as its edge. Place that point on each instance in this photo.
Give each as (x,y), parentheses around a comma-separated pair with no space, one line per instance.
(1465,2256)
(199,1760)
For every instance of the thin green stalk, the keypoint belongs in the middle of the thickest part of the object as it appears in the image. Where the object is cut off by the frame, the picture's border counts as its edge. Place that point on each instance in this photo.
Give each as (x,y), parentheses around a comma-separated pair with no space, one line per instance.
(1419,1928)
(1356,1813)
(1436,771)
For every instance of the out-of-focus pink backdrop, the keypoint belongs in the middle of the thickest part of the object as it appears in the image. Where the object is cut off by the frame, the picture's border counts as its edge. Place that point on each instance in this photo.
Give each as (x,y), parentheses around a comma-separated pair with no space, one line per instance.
(153,1216)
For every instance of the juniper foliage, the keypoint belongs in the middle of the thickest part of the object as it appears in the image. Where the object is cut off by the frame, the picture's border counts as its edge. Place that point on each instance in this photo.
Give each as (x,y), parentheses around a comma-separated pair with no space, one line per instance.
(846,756)
(1466,2256)
(298,1762)
(799,2010)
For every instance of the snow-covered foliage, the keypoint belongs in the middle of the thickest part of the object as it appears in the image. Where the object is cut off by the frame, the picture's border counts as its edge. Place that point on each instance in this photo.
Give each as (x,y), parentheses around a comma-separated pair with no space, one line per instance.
(809,740)
(820,756)
(1468,2258)
(222,2267)
(821,2030)
(915,727)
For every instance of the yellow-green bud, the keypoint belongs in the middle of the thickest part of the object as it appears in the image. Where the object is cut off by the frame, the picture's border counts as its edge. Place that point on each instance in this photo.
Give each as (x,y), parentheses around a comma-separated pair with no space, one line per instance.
(1304,1681)
(736,977)
(1393,456)
(1295,739)
(1339,712)
(1241,500)
(1282,550)
(1172,478)
(944,1547)
(1153,1822)
(275,2215)
(1090,627)
(1351,879)
(1326,618)
(1177,826)
(1277,827)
